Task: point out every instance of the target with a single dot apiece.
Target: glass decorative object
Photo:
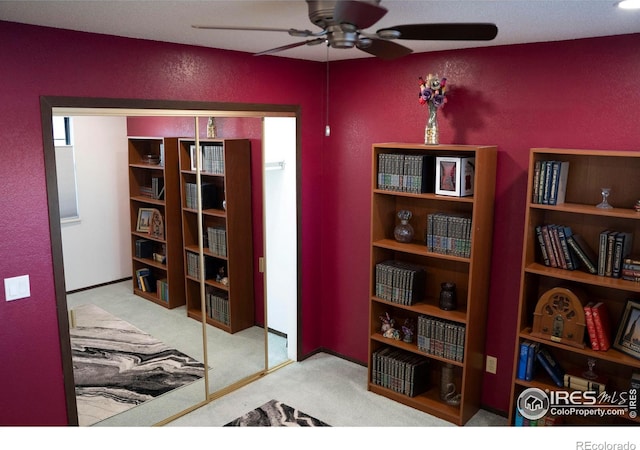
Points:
(431, 130)
(448, 296)
(404, 231)
(604, 204)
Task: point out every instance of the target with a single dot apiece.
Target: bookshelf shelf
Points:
(225, 177)
(589, 171)
(156, 186)
(460, 347)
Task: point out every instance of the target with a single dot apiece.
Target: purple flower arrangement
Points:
(433, 90)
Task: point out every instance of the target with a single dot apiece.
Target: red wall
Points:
(574, 94)
(579, 94)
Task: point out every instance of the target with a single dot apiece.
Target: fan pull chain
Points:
(327, 128)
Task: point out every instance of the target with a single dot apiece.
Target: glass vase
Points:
(404, 231)
(448, 296)
(431, 130)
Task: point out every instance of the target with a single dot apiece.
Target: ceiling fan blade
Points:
(287, 47)
(446, 31)
(360, 14)
(386, 50)
(291, 31)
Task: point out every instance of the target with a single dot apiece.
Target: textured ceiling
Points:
(518, 21)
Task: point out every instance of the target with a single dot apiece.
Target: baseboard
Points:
(99, 285)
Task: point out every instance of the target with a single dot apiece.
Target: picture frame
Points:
(144, 219)
(455, 176)
(628, 336)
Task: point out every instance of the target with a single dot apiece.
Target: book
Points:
(569, 257)
(608, 268)
(547, 242)
(602, 324)
(560, 173)
(582, 250)
(522, 362)
(602, 251)
(551, 365)
(542, 246)
(622, 248)
(531, 359)
(575, 380)
(591, 327)
(557, 246)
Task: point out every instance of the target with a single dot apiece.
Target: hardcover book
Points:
(602, 325)
(551, 365)
(591, 327)
(582, 250)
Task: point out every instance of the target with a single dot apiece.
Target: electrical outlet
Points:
(492, 364)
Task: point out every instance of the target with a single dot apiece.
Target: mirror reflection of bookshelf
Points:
(156, 230)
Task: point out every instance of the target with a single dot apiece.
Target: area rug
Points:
(117, 366)
(276, 414)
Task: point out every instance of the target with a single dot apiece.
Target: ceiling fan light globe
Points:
(364, 42)
(388, 34)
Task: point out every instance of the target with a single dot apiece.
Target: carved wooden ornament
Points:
(559, 317)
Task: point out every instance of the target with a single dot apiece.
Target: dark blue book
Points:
(551, 365)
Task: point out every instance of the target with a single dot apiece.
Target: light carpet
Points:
(276, 414)
(117, 366)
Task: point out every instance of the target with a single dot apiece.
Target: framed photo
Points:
(628, 335)
(144, 219)
(454, 175)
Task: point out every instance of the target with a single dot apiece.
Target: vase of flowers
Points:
(432, 93)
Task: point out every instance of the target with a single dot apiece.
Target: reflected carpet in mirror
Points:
(117, 366)
(276, 414)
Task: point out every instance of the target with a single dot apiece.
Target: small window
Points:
(61, 130)
(65, 169)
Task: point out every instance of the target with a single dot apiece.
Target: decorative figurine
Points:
(387, 327)
(408, 329)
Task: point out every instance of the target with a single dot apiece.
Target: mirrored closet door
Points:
(197, 360)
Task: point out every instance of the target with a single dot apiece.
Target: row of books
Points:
(563, 249)
(406, 173)
(193, 266)
(613, 247)
(400, 282)
(550, 182)
(598, 324)
(217, 304)
(534, 355)
(449, 234)
(546, 421)
(441, 337)
(163, 290)
(146, 280)
(212, 158)
(155, 191)
(217, 240)
(209, 194)
(400, 371)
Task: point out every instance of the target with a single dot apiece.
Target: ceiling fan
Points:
(343, 23)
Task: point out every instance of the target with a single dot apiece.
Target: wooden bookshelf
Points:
(231, 249)
(469, 273)
(142, 173)
(589, 171)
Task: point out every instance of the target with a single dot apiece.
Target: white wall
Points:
(280, 219)
(97, 248)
